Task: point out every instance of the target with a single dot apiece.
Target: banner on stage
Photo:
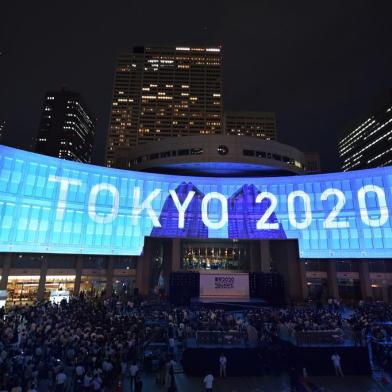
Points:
(224, 286)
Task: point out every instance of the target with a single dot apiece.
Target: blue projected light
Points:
(49, 205)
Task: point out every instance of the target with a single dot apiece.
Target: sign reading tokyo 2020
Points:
(57, 206)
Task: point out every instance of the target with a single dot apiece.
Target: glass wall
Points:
(349, 289)
(124, 285)
(59, 282)
(215, 255)
(22, 289)
(93, 285)
(317, 289)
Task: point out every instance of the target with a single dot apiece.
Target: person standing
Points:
(133, 371)
(138, 383)
(61, 379)
(336, 360)
(222, 366)
(208, 382)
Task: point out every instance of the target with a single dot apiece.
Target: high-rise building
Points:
(2, 130)
(258, 124)
(165, 91)
(369, 144)
(312, 162)
(67, 127)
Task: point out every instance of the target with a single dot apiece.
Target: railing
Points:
(223, 338)
(314, 338)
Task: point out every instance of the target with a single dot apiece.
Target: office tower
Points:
(312, 162)
(2, 130)
(165, 91)
(369, 143)
(67, 127)
(259, 124)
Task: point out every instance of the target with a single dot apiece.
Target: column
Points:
(176, 254)
(385, 293)
(285, 255)
(332, 280)
(42, 279)
(364, 279)
(143, 268)
(109, 276)
(7, 258)
(265, 256)
(302, 277)
(255, 261)
(78, 275)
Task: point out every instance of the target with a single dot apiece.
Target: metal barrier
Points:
(314, 338)
(219, 337)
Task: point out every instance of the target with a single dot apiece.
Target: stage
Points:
(274, 358)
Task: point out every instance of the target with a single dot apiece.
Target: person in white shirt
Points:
(96, 383)
(61, 379)
(208, 382)
(88, 378)
(337, 364)
(222, 365)
(133, 371)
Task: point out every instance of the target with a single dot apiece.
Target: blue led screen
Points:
(49, 205)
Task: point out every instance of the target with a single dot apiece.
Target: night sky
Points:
(320, 66)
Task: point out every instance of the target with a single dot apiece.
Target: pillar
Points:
(364, 279)
(265, 256)
(385, 293)
(7, 258)
(143, 268)
(109, 276)
(42, 279)
(286, 258)
(78, 275)
(176, 254)
(302, 277)
(255, 260)
(332, 279)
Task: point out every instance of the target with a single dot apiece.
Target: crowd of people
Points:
(82, 345)
(92, 344)
(373, 321)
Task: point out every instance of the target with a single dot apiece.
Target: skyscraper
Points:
(312, 162)
(165, 91)
(2, 130)
(67, 127)
(258, 124)
(369, 144)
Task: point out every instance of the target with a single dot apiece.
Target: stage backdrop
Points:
(224, 285)
(57, 206)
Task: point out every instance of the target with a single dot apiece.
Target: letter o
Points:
(93, 199)
(204, 210)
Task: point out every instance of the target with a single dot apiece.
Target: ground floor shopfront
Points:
(27, 277)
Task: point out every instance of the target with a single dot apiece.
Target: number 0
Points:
(308, 211)
(381, 203)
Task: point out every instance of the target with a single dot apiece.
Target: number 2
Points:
(262, 222)
(330, 222)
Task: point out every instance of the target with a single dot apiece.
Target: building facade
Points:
(162, 92)
(369, 144)
(219, 155)
(2, 130)
(79, 219)
(67, 127)
(257, 124)
(312, 162)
